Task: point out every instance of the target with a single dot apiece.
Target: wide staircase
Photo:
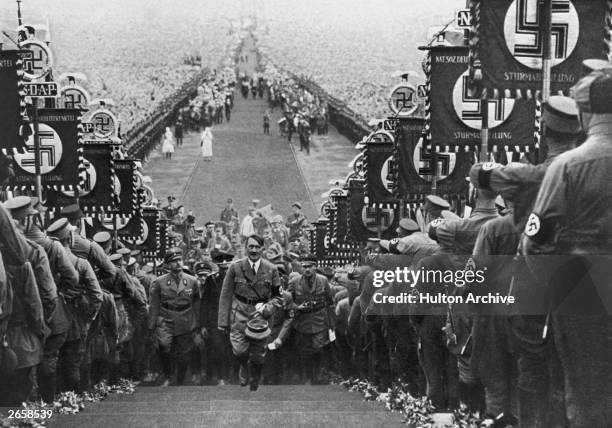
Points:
(233, 406)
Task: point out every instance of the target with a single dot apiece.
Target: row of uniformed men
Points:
(548, 362)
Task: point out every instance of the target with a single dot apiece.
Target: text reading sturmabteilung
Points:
(445, 279)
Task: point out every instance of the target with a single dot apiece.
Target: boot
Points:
(164, 357)
(255, 370)
(243, 373)
(46, 387)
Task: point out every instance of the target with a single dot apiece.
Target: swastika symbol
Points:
(402, 100)
(469, 109)
(74, 99)
(104, 125)
(50, 151)
(423, 159)
(35, 62)
(523, 31)
(38, 61)
(368, 218)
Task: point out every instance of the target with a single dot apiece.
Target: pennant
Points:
(415, 168)
(124, 184)
(12, 107)
(454, 117)
(95, 193)
(506, 44)
(378, 160)
(60, 155)
(364, 219)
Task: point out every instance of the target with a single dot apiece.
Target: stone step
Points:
(244, 394)
(280, 419)
(114, 407)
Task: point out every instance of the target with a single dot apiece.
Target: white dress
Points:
(168, 145)
(206, 143)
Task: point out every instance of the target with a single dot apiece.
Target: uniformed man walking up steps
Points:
(175, 301)
(250, 287)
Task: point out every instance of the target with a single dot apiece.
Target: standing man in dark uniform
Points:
(315, 314)
(250, 286)
(175, 304)
(230, 216)
(296, 220)
(178, 132)
(572, 219)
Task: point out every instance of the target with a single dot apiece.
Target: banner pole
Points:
(484, 136)
(547, 54)
(38, 181)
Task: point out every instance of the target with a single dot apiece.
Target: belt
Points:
(175, 307)
(248, 301)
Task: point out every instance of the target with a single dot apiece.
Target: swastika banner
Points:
(507, 43)
(378, 160)
(125, 187)
(13, 104)
(60, 156)
(128, 228)
(96, 191)
(455, 116)
(150, 243)
(364, 220)
(339, 221)
(415, 167)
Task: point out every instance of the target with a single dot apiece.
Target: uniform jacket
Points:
(295, 223)
(175, 300)
(94, 254)
(44, 279)
(317, 291)
(241, 281)
(86, 305)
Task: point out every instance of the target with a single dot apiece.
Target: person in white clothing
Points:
(206, 143)
(246, 227)
(168, 144)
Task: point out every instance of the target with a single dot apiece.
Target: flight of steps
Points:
(233, 406)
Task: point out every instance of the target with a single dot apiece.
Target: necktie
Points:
(253, 267)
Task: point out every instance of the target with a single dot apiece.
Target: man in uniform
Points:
(175, 304)
(314, 318)
(230, 216)
(250, 286)
(296, 219)
(410, 241)
(82, 247)
(572, 219)
(519, 183)
(83, 308)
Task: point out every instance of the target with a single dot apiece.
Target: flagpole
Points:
(484, 134)
(19, 22)
(547, 51)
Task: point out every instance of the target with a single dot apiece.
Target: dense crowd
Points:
(360, 77)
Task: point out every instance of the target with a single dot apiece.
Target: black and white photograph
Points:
(331, 213)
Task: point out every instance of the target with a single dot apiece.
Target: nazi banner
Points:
(365, 221)
(415, 167)
(124, 185)
(12, 107)
(60, 157)
(455, 120)
(378, 159)
(507, 43)
(96, 191)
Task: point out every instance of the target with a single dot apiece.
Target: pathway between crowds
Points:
(249, 165)
(233, 406)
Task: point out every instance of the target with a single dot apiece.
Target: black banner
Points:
(364, 219)
(97, 189)
(60, 155)
(507, 43)
(339, 221)
(415, 168)
(128, 228)
(12, 106)
(455, 119)
(320, 240)
(127, 201)
(149, 243)
(378, 158)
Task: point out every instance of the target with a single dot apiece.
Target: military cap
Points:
(187, 270)
(20, 206)
(201, 268)
(594, 92)
(560, 114)
(194, 240)
(277, 219)
(135, 253)
(173, 255)
(373, 243)
(116, 258)
(220, 257)
(308, 260)
(37, 205)
(148, 268)
(199, 229)
(408, 225)
(208, 223)
(595, 64)
(124, 251)
(71, 211)
(257, 329)
(449, 215)
(60, 228)
(102, 237)
(297, 204)
(433, 201)
(131, 261)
